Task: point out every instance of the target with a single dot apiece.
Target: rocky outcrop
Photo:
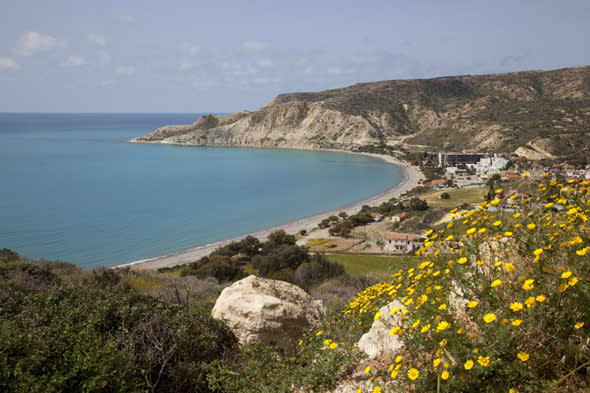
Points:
(378, 340)
(267, 311)
(490, 113)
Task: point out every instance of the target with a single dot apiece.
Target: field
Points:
(458, 197)
(363, 264)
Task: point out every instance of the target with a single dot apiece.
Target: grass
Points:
(363, 264)
(458, 197)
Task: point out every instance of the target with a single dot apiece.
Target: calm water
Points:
(72, 188)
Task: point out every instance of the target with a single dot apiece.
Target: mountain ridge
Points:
(538, 114)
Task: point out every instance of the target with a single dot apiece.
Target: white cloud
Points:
(189, 49)
(336, 70)
(8, 64)
(104, 57)
(74, 61)
(107, 83)
(308, 70)
(252, 46)
(33, 42)
(203, 84)
(122, 19)
(266, 80)
(97, 39)
(364, 59)
(185, 66)
(235, 70)
(125, 70)
(265, 62)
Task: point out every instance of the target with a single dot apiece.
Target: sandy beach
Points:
(411, 178)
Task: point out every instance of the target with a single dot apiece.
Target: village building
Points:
(402, 243)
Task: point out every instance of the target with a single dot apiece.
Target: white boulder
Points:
(267, 311)
(377, 340)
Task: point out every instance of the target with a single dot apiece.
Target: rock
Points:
(267, 311)
(377, 340)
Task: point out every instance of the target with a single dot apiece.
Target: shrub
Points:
(500, 299)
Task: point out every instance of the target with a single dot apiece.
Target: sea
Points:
(72, 188)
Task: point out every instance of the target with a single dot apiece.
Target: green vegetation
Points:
(96, 333)
(360, 265)
(457, 197)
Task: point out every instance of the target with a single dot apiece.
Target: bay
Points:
(72, 187)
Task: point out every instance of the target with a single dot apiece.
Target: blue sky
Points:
(225, 56)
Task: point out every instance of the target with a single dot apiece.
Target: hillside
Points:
(538, 114)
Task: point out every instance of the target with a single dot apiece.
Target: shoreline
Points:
(411, 177)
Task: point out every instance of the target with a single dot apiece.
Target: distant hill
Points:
(537, 114)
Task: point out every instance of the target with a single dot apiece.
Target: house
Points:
(397, 217)
(402, 243)
(454, 159)
(436, 184)
(376, 216)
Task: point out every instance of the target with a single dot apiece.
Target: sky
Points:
(223, 56)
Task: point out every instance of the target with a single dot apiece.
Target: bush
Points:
(74, 338)
(500, 299)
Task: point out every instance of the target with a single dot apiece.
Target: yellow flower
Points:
(508, 234)
(413, 373)
(377, 316)
(367, 369)
(471, 231)
(468, 364)
(442, 307)
(525, 175)
(442, 325)
(327, 342)
(516, 322)
(319, 333)
(549, 205)
(499, 190)
(576, 240)
(444, 375)
(394, 374)
(443, 342)
(472, 304)
(528, 284)
(531, 226)
(563, 287)
(376, 389)
(516, 215)
(481, 230)
(495, 202)
(436, 362)
(490, 317)
(497, 223)
(572, 281)
(461, 260)
(496, 283)
(566, 275)
(530, 302)
(579, 325)
(581, 252)
(523, 356)
(538, 252)
(540, 298)
(484, 361)
(509, 267)
(333, 346)
(416, 324)
(425, 328)
(399, 358)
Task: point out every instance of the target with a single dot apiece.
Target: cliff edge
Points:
(539, 113)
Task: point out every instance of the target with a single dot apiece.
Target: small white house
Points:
(401, 243)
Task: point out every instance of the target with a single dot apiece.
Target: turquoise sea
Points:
(72, 187)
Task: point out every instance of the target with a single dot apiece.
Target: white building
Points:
(488, 164)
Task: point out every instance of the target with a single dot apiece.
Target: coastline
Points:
(411, 178)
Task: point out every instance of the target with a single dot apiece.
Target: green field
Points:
(363, 264)
(458, 197)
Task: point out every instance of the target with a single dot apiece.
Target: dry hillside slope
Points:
(536, 113)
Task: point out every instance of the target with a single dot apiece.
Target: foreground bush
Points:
(87, 339)
(500, 303)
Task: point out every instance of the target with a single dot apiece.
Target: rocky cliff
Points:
(537, 113)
